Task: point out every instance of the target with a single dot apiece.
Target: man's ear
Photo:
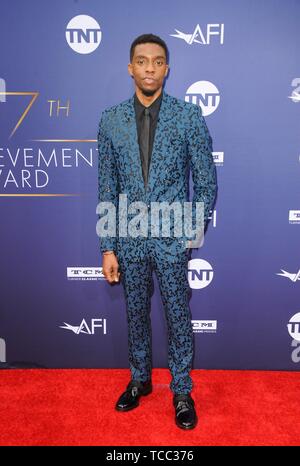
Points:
(130, 69)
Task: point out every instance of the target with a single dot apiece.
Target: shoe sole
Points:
(186, 428)
(136, 405)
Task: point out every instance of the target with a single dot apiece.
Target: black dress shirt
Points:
(154, 111)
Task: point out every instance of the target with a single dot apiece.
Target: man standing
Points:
(147, 146)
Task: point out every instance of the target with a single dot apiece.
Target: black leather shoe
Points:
(130, 398)
(185, 414)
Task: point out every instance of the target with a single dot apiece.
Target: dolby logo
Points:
(204, 94)
(83, 34)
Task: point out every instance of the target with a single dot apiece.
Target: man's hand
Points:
(110, 267)
(195, 243)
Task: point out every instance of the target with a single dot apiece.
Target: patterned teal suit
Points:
(182, 143)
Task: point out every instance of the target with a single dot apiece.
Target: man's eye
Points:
(140, 62)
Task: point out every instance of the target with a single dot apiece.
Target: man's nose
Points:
(150, 68)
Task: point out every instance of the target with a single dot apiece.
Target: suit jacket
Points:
(182, 143)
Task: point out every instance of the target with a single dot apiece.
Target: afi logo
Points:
(200, 37)
(200, 273)
(84, 328)
(83, 34)
(292, 276)
(205, 94)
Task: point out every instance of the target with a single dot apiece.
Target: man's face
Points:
(148, 67)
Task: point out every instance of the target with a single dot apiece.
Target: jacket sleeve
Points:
(107, 183)
(201, 164)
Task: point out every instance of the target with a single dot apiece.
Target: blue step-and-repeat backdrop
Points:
(62, 64)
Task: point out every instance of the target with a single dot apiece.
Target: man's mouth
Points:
(149, 80)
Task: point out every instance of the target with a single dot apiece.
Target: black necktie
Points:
(144, 144)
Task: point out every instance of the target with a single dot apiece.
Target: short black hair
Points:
(145, 39)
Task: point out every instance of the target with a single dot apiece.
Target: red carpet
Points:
(76, 407)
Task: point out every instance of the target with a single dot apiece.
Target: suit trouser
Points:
(136, 277)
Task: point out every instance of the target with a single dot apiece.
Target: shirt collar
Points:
(153, 108)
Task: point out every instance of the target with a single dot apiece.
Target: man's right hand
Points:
(110, 267)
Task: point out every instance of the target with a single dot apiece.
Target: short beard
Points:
(148, 93)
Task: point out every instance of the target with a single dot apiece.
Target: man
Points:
(147, 145)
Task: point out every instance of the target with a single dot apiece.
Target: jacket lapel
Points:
(159, 151)
(160, 143)
(129, 134)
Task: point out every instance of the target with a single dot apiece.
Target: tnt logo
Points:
(83, 34)
(200, 273)
(294, 327)
(205, 94)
